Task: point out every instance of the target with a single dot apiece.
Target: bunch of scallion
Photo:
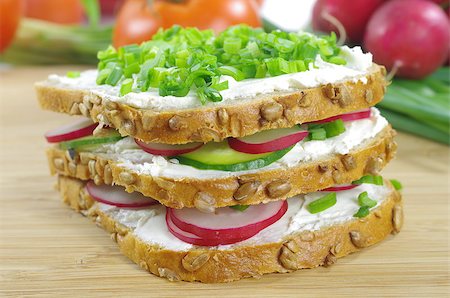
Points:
(42, 42)
(421, 107)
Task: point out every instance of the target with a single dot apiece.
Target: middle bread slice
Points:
(364, 148)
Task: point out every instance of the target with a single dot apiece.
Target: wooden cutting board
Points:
(49, 251)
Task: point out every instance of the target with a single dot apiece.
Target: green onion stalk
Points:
(420, 107)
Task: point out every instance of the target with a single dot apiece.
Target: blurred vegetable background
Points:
(410, 37)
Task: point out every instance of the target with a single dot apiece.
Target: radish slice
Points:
(341, 187)
(268, 140)
(117, 196)
(194, 239)
(166, 149)
(228, 224)
(359, 115)
(78, 129)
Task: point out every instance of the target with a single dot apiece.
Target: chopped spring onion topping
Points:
(396, 184)
(362, 212)
(241, 208)
(126, 87)
(369, 179)
(325, 130)
(325, 202)
(179, 60)
(364, 200)
(73, 74)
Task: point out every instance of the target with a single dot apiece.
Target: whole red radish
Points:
(353, 15)
(412, 35)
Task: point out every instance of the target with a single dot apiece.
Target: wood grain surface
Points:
(49, 251)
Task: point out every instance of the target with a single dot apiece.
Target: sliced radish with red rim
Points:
(75, 130)
(117, 196)
(227, 224)
(268, 140)
(166, 149)
(358, 115)
(341, 187)
(194, 239)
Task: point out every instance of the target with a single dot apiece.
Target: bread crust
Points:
(217, 122)
(308, 249)
(248, 189)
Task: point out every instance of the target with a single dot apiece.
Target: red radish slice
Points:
(268, 140)
(359, 115)
(117, 196)
(166, 149)
(341, 187)
(194, 239)
(75, 130)
(226, 223)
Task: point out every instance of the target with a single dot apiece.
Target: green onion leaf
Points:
(73, 74)
(334, 128)
(364, 200)
(396, 184)
(369, 179)
(317, 134)
(325, 202)
(362, 212)
(114, 77)
(232, 72)
(241, 208)
(126, 87)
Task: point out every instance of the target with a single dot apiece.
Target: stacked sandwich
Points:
(217, 157)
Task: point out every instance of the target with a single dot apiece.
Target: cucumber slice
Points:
(90, 143)
(219, 156)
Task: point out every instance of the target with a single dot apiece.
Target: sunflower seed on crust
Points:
(194, 261)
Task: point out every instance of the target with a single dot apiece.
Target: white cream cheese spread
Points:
(318, 74)
(130, 156)
(149, 224)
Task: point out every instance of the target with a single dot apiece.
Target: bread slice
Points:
(306, 249)
(217, 121)
(248, 188)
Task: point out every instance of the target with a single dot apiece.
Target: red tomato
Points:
(10, 13)
(137, 22)
(57, 11)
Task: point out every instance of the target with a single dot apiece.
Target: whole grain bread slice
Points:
(206, 194)
(307, 249)
(218, 121)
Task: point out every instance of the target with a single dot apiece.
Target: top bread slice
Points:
(217, 121)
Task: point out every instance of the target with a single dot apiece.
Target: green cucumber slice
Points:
(219, 156)
(90, 143)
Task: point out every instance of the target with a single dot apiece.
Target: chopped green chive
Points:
(179, 60)
(362, 212)
(126, 87)
(364, 200)
(240, 207)
(369, 179)
(334, 128)
(396, 184)
(325, 202)
(73, 74)
(317, 134)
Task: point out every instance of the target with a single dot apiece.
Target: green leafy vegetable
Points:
(241, 208)
(396, 184)
(181, 60)
(364, 200)
(362, 212)
(322, 204)
(370, 179)
(73, 74)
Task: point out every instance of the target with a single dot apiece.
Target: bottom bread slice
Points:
(305, 249)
